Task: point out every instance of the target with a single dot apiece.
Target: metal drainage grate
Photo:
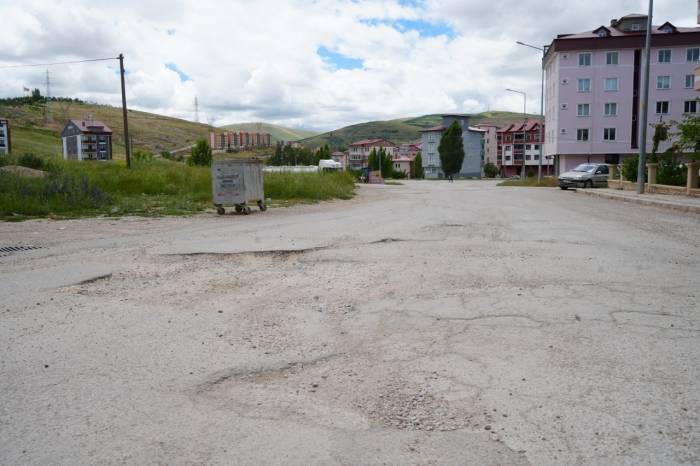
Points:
(7, 250)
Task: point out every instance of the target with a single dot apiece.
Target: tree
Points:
(689, 135)
(418, 166)
(490, 170)
(451, 150)
(201, 154)
(36, 94)
(386, 163)
(373, 160)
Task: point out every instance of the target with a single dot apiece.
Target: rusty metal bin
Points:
(237, 182)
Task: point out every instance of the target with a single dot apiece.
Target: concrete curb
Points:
(647, 202)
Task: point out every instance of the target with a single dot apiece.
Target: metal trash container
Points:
(236, 182)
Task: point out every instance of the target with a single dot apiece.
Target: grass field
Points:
(157, 187)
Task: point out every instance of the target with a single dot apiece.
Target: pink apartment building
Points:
(593, 85)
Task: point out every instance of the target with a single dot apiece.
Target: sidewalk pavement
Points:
(667, 201)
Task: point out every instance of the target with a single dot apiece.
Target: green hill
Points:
(148, 131)
(278, 133)
(401, 130)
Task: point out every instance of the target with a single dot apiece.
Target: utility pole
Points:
(126, 120)
(643, 106)
(49, 117)
(541, 132)
(196, 110)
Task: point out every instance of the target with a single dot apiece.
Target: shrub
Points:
(31, 161)
(669, 171)
(398, 175)
(490, 170)
(629, 168)
(141, 156)
(201, 154)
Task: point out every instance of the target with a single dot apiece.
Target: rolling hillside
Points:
(401, 130)
(148, 131)
(278, 133)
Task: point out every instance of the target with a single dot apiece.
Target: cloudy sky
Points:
(317, 64)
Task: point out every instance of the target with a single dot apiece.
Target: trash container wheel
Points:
(262, 206)
(220, 210)
(239, 208)
(246, 210)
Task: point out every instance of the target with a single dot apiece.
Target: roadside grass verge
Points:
(531, 182)
(150, 188)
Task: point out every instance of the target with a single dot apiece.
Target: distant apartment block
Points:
(519, 148)
(473, 141)
(490, 142)
(341, 158)
(86, 140)
(5, 138)
(359, 151)
(238, 140)
(594, 83)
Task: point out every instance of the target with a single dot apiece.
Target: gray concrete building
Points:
(472, 138)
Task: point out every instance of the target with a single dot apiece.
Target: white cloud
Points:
(257, 60)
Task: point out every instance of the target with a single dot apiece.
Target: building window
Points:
(528, 147)
(662, 107)
(610, 109)
(664, 56)
(583, 109)
(582, 134)
(610, 84)
(527, 157)
(537, 147)
(690, 106)
(689, 81)
(608, 134)
(663, 82)
(611, 58)
(584, 85)
(692, 54)
(584, 59)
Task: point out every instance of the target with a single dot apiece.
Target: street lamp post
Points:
(541, 132)
(643, 107)
(522, 173)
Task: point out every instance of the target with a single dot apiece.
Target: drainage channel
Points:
(7, 250)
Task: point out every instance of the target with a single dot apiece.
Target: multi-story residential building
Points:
(5, 138)
(359, 151)
(472, 139)
(236, 140)
(518, 151)
(87, 140)
(594, 82)
(409, 150)
(490, 142)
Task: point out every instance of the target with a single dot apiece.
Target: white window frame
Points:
(668, 107)
(583, 80)
(697, 54)
(580, 133)
(580, 107)
(607, 133)
(584, 54)
(658, 56)
(685, 105)
(692, 81)
(612, 106)
(660, 81)
(617, 84)
(608, 55)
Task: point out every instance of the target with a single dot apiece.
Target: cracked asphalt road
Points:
(429, 323)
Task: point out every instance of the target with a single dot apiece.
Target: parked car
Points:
(586, 175)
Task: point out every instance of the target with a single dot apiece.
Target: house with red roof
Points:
(359, 151)
(87, 140)
(518, 150)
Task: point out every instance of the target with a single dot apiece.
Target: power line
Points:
(58, 63)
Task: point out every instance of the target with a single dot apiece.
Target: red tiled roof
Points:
(92, 125)
(367, 142)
